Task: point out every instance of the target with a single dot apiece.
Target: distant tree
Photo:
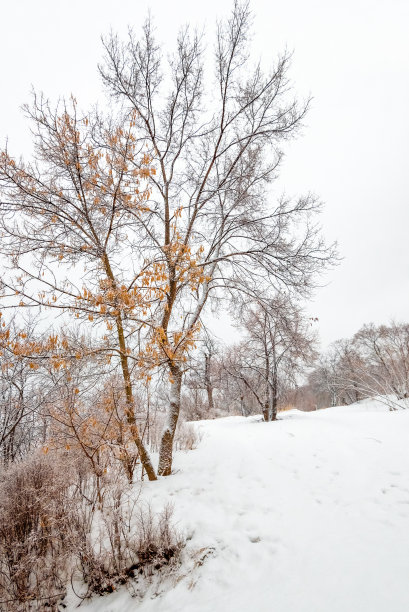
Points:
(21, 396)
(279, 345)
(374, 362)
(324, 379)
(350, 365)
(240, 384)
(209, 350)
(336, 374)
(201, 378)
(384, 352)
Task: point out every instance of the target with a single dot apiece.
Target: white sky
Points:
(351, 55)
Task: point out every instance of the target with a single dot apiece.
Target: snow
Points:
(307, 514)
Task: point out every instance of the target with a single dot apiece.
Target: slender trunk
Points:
(130, 408)
(128, 461)
(274, 387)
(129, 465)
(274, 404)
(196, 403)
(166, 446)
(273, 398)
(130, 411)
(266, 412)
(357, 398)
(209, 388)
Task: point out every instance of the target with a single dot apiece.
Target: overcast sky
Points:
(351, 55)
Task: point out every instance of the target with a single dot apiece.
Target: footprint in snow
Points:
(254, 539)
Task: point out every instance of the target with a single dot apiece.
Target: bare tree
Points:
(240, 384)
(324, 379)
(216, 146)
(279, 345)
(201, 377)
(384, 358)
(338, 373)
(67, 233)
(22, 394)
(374, 362)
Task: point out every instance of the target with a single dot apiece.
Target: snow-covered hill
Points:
(307, 514)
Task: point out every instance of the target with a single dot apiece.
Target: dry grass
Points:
(58, 525)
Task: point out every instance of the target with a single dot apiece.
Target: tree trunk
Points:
(166, 446)
(130, 408)
(357, 398)
(242, 406)
(274, 404)
(130, 417)
(273, 398)
(208, 382)
(266, 412)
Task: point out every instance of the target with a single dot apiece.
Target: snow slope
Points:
(307, 514)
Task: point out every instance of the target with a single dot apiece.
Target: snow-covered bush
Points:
(187, 436)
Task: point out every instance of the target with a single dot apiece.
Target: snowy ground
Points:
(308, 514)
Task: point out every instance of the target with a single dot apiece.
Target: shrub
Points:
(57, 524)
(187, 436)
(34, 534)
(129, 541)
